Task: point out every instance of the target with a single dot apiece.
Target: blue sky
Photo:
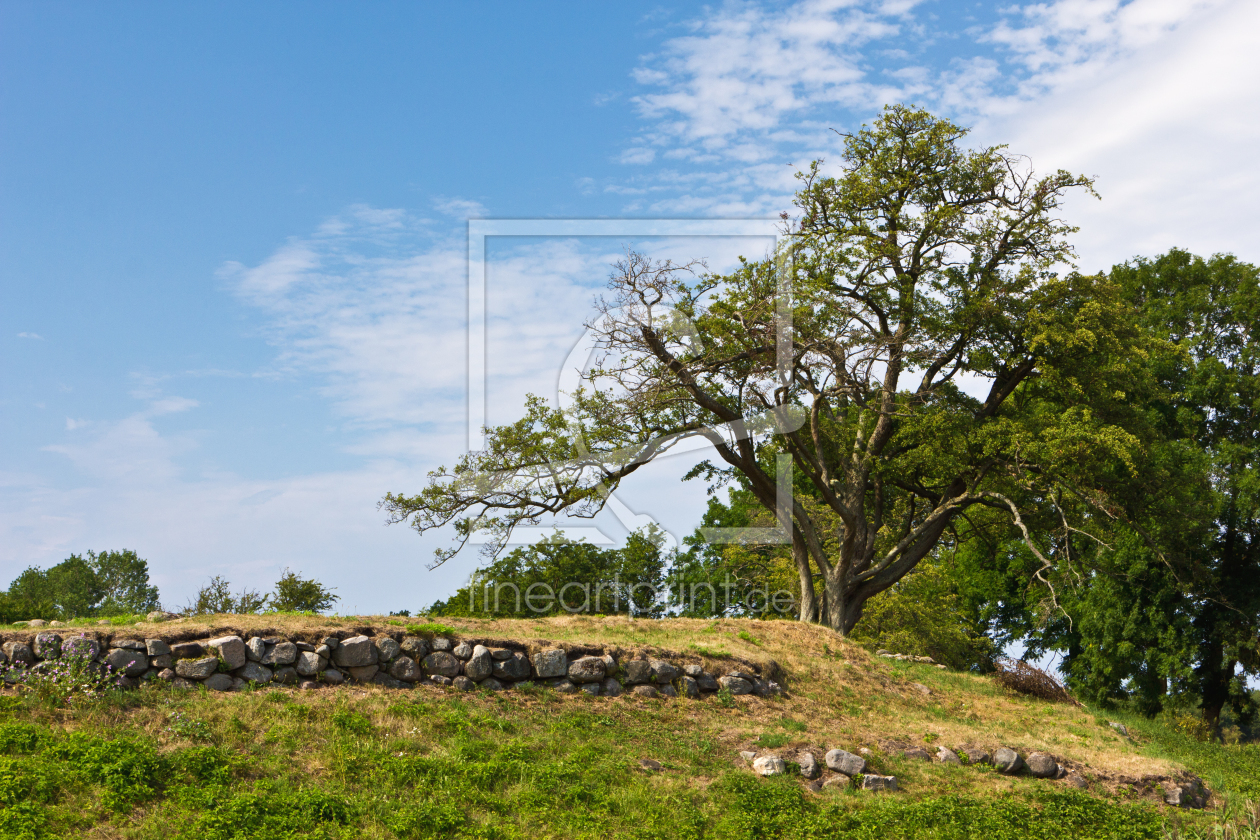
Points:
(233, 240)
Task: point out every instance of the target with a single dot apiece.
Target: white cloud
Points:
(35, 336)
(72, 424)
(753, 87)
(172, 405)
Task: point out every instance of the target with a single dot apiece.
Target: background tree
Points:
(920, 265)
(124, 583)
(216, 598)
(109, 583)
(630, 576)
(298, 594)
(1168, 610)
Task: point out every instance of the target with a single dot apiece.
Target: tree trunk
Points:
(809, 602)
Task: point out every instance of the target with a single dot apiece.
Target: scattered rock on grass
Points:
(845, 762)
(769, 765)
(1008, 761)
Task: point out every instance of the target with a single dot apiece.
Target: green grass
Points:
(275, 763)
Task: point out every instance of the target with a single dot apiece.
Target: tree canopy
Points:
(919, 272)
(105, 584)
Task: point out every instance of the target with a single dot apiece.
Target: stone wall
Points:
(227, 663)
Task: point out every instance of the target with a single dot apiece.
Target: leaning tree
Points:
(891, 352)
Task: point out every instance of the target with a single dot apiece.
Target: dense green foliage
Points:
(557, 576)
(295, 593)
(107, 584)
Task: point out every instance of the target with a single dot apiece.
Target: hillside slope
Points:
(431, 762)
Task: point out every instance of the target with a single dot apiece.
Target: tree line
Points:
(969, 424)
(116, 583)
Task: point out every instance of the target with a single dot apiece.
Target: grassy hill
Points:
(376, 763)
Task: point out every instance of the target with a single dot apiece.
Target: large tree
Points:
(917, 274)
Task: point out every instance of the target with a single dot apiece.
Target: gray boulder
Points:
(550, 663)
(441, 664)
(590, 688)
(690, 688)
(384, 680)
(1007, 761)
(748, 755)
(308, 664)
(463, 650)
(156, 647)
(363, 673)
(331, 642)
(463, 684)
(334, 677)
(387, 648)
(809, 766)
(19, 652)
(405, 669)
(438, 679)
(46, 646)
(415, 647)
(917, 753)
(944, 755)
(355, 652)
(183, 684)
(838, 783)
(563, 687)
(610, 688)
(707, 682)
(161, 662)
(663, 672)
(281, 653)
(130, 663)
(586, 669)
(646, 691)
(501, 653)
(129, 644)
(442, 643)
(769, 765)
(668, 690)
(479, 665)
(1119, 727)
(693, 670)
(845, 762)
(81, 646)
(879, 783)
(638, 671)
(491, 684)
(735, 685)
(305, 647)
(218, 682)
(1042, 766)
(37, 622)
(323, 652)
(189, 669)
(515, 668)
(166, 674)
(229, 649)
(255, 672)
(255, 648)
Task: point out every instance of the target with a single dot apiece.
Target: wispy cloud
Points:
(754, 89)
(32, 335)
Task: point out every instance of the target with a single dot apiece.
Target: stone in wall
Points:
(550, 663)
